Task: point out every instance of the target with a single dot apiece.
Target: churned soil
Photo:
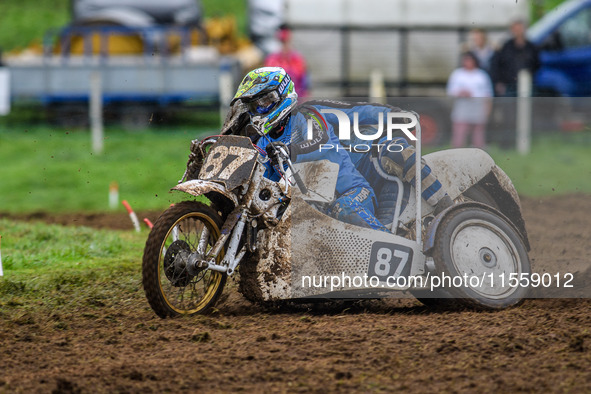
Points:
(113, 221)
(544, 345)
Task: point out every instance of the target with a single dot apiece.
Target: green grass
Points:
(558, 164)
(49, 267)
(24, 22)
(540, 7)
(52, 169)
(237, 8)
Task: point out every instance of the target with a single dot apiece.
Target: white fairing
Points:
(325, 247)
(320, 178)
(457, 170)
(330, 248)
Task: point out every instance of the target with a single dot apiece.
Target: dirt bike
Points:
(252, 222)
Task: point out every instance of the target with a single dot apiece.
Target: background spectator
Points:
(264, 18)
(516, 54)
(473, 91)
(291, 61)
(481, 48)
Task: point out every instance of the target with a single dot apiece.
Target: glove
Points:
(271, 153)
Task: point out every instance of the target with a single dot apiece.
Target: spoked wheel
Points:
(186, 230)
(485, 251)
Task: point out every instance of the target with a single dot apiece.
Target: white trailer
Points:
(415, 44)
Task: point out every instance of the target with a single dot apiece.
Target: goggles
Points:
(264, 104)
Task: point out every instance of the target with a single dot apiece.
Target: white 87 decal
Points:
(389, 260)
(217, 164)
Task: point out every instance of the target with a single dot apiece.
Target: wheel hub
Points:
(481, 250)
(487, 257)
(175, 263)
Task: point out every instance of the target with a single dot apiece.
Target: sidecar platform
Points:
(315, 256)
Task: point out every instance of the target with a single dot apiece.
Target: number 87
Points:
(384, 259)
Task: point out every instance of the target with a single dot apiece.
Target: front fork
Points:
(233, 229)
(231, 259)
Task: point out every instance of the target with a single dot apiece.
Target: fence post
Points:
(524, 112)
(377, 86)
(96, 111)
(226, 89)
(4, 90)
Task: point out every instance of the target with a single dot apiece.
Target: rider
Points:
(267, 97)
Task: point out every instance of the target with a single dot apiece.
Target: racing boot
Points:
(444, 203)
(402, 165)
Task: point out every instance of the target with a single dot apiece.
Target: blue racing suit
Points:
(355, 199)
(401, 156)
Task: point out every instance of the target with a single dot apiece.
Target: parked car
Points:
(564, 38)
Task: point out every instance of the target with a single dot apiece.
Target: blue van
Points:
(564, 38)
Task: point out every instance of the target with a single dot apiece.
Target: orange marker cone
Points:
(148, 223)
(132, 215)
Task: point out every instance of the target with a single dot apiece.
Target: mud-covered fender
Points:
(431, 232)
(211, 190)
(459, 169)
(499, 186)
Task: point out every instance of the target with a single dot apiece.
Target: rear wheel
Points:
(483, 255)
(172, 290)
(439, 298)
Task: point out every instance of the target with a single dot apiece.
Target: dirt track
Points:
(120, 346)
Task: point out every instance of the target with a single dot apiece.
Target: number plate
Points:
(230, 161)
(389, 260)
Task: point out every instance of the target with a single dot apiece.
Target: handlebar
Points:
(281, 153)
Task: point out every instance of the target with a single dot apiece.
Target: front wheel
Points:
(183, 229)
(481, 259)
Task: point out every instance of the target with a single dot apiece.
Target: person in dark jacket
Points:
(516, 54)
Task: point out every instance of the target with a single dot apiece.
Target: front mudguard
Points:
(215, 192)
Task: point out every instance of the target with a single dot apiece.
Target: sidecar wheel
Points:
(169, 288)
(481, 253)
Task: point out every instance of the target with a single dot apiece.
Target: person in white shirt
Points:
(472, 88)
